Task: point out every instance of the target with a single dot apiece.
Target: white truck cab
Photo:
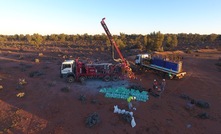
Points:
(67, 67)
(140, 57)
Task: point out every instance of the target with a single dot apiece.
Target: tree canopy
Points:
(155, 41)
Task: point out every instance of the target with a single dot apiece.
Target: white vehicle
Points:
(141, 57)
(67, 67)
(168, 68)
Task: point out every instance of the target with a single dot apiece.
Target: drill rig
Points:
(122, 60)
(75, 70)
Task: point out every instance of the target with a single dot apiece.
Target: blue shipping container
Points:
(175, 66)
(158, 62)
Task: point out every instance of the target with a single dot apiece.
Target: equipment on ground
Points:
(166, 67)
(124, 93)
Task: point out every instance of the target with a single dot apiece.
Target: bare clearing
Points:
(45, 108)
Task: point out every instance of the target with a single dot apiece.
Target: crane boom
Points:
(113, 43)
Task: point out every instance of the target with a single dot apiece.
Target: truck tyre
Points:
(106, 78)
(115, 78)
(70, 79)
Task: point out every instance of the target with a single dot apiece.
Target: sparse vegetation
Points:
(37, 60)
(40, 54)
(24, 67)
(152, 41)
(65, 89)
(46, 92)
(20, 95)
(22, 81)
(92, 120)
(21, 57)
(188, 51)
(35, 73)
(218, 64)
(82, 98)
(52, 84)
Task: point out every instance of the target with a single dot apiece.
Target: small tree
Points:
(157, 39)
(37, 39)
(171, 41)
(3, 38)
(62, 37)
(212, 37)
(28, 38)
(53, 37)
(120, 43)
(174, 41)
(168, 41)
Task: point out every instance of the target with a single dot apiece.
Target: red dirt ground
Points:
(46, 109)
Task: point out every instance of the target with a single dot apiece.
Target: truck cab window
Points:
(66, 66)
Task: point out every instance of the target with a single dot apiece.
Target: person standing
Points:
(163, 84)
(129, 99)
(155, 84)
(162, 87)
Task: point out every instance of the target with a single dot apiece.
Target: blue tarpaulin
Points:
(123, 93)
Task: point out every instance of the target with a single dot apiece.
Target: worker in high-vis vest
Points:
(129, 99)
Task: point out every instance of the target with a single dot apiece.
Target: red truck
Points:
(79, 71)
(75, 70)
